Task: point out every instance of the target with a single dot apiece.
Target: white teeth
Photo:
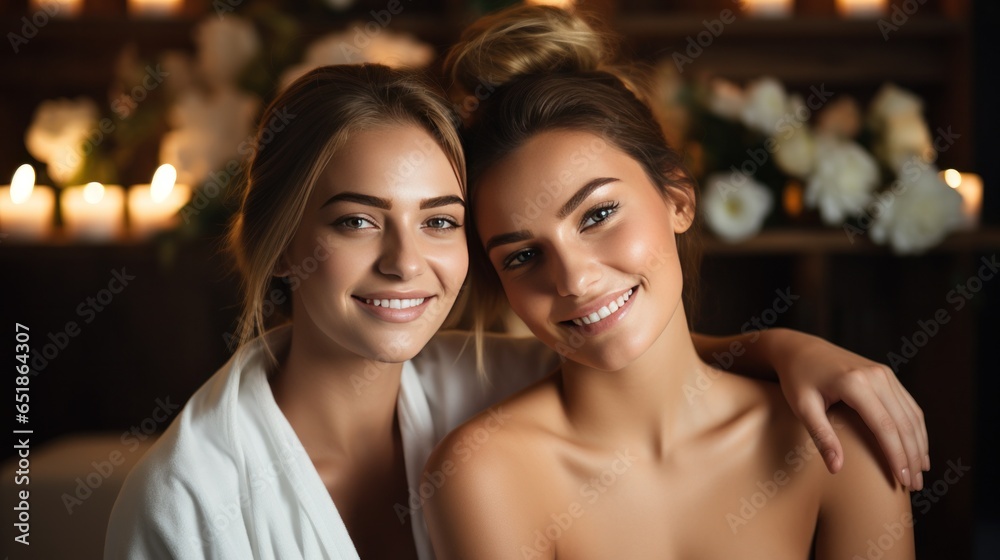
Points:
(603, 312)
(395, 303)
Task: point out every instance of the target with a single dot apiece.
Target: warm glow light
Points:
(57, 8)
(767, 8)
(565, 4)
(791, 198)
(953, 178)
(93, 192)
(163, 182)
(862, 8)
(970, 187)
(27, 211)
(22, 184)
(155, 8)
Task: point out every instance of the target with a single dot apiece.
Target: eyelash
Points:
(452, 223)
(610, 207)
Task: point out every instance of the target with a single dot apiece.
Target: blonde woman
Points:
(610, 456)
(310, 442)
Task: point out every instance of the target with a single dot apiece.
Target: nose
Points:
(574, 272)
(402, 256)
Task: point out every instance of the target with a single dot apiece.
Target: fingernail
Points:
(927, 462)
(920, 481)
(906, 478)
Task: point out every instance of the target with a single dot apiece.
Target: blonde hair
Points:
(550, 69)
(320, 112)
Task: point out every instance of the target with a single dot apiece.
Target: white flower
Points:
(735, 205)
(356, 45)
(209, 131)
(843, 181)
(903, 136)
(225, 46)
(766, 105)
(726, 99)
(841, 118)
(794, 147)
(892, 101)
(58, 132)
(919, 211)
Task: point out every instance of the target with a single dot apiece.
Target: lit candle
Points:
(862, 8)
(153, 207)
(155, 8)
(57, 8)
(26, 212)
(93, 212)
(970, 186)
(767, 8)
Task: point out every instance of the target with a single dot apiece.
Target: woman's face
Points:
(584, 246)
(380, 254)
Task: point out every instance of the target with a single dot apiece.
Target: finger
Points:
(922, 422)
(916, 416)
(883, 382)
(812, 412)
(905, 425)
(868, 405)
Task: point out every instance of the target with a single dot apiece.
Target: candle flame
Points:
(22, 184)
(93, 192)
(953, 178)
(163, 182)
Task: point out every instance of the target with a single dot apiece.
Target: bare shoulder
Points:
(488, 478)
(863, 505)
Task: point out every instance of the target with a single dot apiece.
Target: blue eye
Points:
(599, 214)
(519, 259)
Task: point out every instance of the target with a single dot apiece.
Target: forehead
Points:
(401, 162)
(550, 167)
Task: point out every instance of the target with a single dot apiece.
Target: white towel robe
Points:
(230, 479)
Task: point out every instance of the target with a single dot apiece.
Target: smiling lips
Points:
(610, 309)
(394, 309)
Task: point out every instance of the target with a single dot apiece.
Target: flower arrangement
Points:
(870, 174)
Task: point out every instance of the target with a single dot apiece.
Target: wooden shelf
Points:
(836, 241)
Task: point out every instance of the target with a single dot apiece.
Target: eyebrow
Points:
(572, 204)
(582, 194)
(506, 238)
(386, 204)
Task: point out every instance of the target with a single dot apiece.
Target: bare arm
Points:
(815, 374)
(864, 512)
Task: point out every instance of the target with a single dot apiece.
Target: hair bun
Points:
(523, 40)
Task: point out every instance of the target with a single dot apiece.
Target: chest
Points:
(373, 503)
(688, 508)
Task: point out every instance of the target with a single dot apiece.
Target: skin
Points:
(611, 456)
(406, 251)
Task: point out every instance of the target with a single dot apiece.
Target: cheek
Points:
(451, 262)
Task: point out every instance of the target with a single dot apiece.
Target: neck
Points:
(644, 405)
(339, 403)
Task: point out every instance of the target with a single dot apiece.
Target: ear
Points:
(281, 267)
(682, 198)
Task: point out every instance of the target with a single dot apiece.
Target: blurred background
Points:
(845, 150)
